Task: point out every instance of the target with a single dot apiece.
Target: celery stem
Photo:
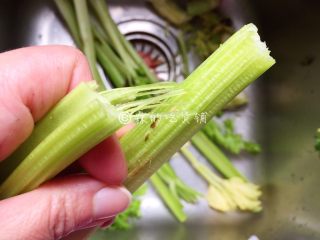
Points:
(82, 15)
(111, 70)
(238, 62)
(170, 200)
(184, 54)
(103, 15)
(66, 9)
(214, 155)
(122, 46)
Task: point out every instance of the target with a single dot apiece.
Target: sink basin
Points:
(282, 115)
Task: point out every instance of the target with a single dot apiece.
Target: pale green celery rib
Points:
(116, 61)
(66, 9)
(127, 71)
(237, 63)
(170, 200)
(176, 185)
(77, 123)
(93, 123)
(103, 15)
(86, 35)
(205, 172)
(74, 101)
(110, 69)
(184, 54)
(120, 43)
(214, 155)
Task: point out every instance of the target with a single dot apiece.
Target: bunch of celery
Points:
(111, 46)
(99, 38)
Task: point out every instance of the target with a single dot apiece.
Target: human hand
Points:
(32, 80)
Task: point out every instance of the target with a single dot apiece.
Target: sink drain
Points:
(157, 45)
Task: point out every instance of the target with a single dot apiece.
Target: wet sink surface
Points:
(283, 116)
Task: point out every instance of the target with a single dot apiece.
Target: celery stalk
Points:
(126, 71)
(176, 185)
(77, 123)
(116, 61)
(170, 200)
(96, 120)
(237, 63)
(77, 20)
(184, 55)
(123, 47)
(66, 108)
(226, 194)
(82, 15)
(66, 9)
(214, 155)
(200, 140)
(106, 21)
(89, 127)
(107, 64)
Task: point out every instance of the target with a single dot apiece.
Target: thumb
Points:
(60, 207)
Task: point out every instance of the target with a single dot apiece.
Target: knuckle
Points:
(61, 219)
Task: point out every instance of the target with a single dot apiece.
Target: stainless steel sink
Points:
(283, 115)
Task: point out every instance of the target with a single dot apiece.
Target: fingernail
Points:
(108, 202)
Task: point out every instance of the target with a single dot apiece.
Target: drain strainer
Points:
(157, 45)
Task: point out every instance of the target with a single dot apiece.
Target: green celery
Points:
(227, 138)
(200, 140)
(237, 63)
(82, 15)
(122, 46)
(116, 61)
(176, 185)
(66, 9)
(79, 133)
(81, 120)
(103, 15)
(112, 72)
(183, 53)
(226, 194)
(214, 155)
(57, 116)
(170, 199)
